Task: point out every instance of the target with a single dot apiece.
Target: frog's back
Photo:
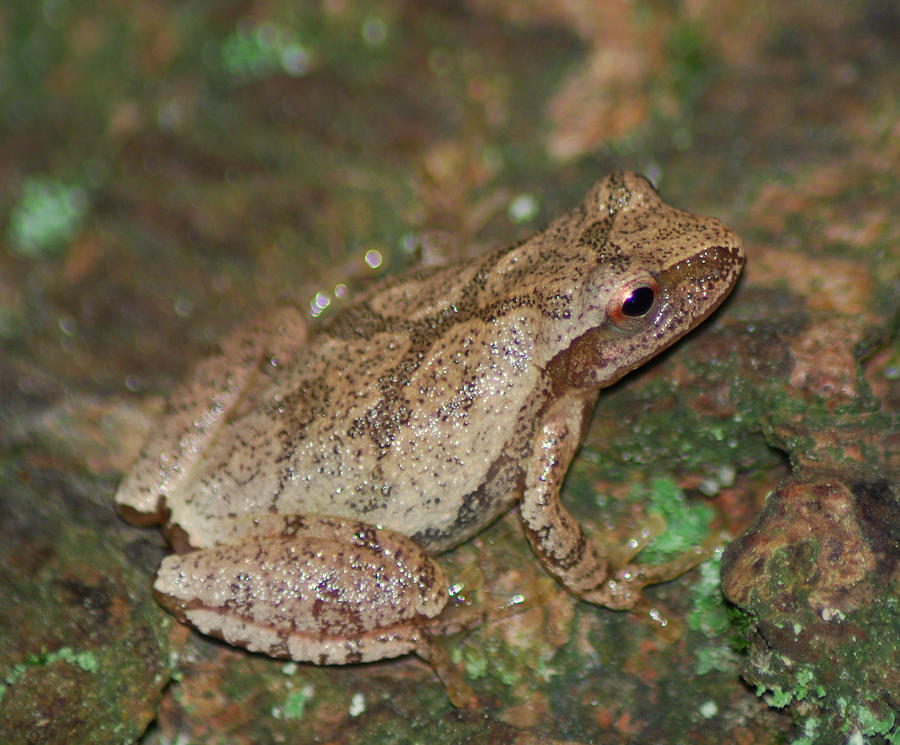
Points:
(397, 411)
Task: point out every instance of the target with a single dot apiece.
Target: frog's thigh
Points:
(312, 589)
(199, 406)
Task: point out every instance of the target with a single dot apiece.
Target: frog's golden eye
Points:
(630, 307)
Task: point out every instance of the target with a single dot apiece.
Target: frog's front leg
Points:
(315, 589)
(557, 537)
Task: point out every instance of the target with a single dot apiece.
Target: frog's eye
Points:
(631, 306)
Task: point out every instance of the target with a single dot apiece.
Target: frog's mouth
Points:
(695, 287)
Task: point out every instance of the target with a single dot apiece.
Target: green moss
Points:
(500, 667)
(709, 614)
(49, 214)
(86, 660)
(669, 432)
(258, 52)
(687, 523)
(295, 703)
(692, 64)
(854, 702)
(871, 723)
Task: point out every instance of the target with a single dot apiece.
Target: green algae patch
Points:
(687, 523)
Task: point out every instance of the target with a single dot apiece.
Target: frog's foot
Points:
(457, 619)
(458, 691)
(622, 589)
(651, 528)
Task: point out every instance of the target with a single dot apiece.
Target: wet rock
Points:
(818, 575)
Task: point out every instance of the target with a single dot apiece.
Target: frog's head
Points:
(656, 273)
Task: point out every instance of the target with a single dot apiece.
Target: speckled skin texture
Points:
(292, 554)
(427, 407)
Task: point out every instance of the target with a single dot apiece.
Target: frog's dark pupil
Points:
(638, 302)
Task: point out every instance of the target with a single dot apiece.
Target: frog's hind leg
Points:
(314, 589)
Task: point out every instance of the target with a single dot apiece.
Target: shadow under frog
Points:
(312, 480)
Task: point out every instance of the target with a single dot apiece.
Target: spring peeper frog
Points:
(311, 481)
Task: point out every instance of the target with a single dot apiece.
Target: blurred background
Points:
(170, 168)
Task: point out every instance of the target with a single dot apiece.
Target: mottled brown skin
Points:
(428, 407)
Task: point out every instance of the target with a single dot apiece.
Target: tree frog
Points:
(308, 482)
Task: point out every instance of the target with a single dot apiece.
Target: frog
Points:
(307, 478)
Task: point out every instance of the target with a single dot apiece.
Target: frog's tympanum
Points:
(309, 482)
